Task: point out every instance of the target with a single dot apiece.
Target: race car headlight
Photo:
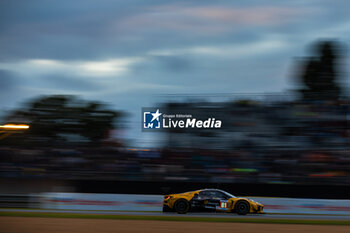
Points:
(167, 198)
(256, 202)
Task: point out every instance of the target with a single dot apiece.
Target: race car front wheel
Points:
(242, 208)
(182, 206)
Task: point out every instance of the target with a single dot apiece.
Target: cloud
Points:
(236, 50)
(261, 15)
(96, 30)
(98, 68)
(209, 19)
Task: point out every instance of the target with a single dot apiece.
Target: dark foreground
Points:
(39, 224)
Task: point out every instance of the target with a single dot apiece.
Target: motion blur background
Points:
(79, 72)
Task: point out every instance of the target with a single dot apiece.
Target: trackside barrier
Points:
(304, 206)
(84, 201)
(131, 202)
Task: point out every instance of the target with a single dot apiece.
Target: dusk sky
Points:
(127, 53)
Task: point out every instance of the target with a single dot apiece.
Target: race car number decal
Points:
(223, 205)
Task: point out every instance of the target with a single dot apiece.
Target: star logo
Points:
(156, 115)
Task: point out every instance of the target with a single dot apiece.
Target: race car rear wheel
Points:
(182, 206)
(242, 208)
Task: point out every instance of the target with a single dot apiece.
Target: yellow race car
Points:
(210, 200)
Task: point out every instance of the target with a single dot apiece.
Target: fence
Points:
(129, 202)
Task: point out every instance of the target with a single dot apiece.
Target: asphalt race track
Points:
(209, 215)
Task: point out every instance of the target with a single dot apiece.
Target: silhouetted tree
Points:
(320, 73)
(58, 119)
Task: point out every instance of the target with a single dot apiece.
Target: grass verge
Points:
(176, 218)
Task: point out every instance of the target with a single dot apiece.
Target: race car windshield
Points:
(229, 194)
